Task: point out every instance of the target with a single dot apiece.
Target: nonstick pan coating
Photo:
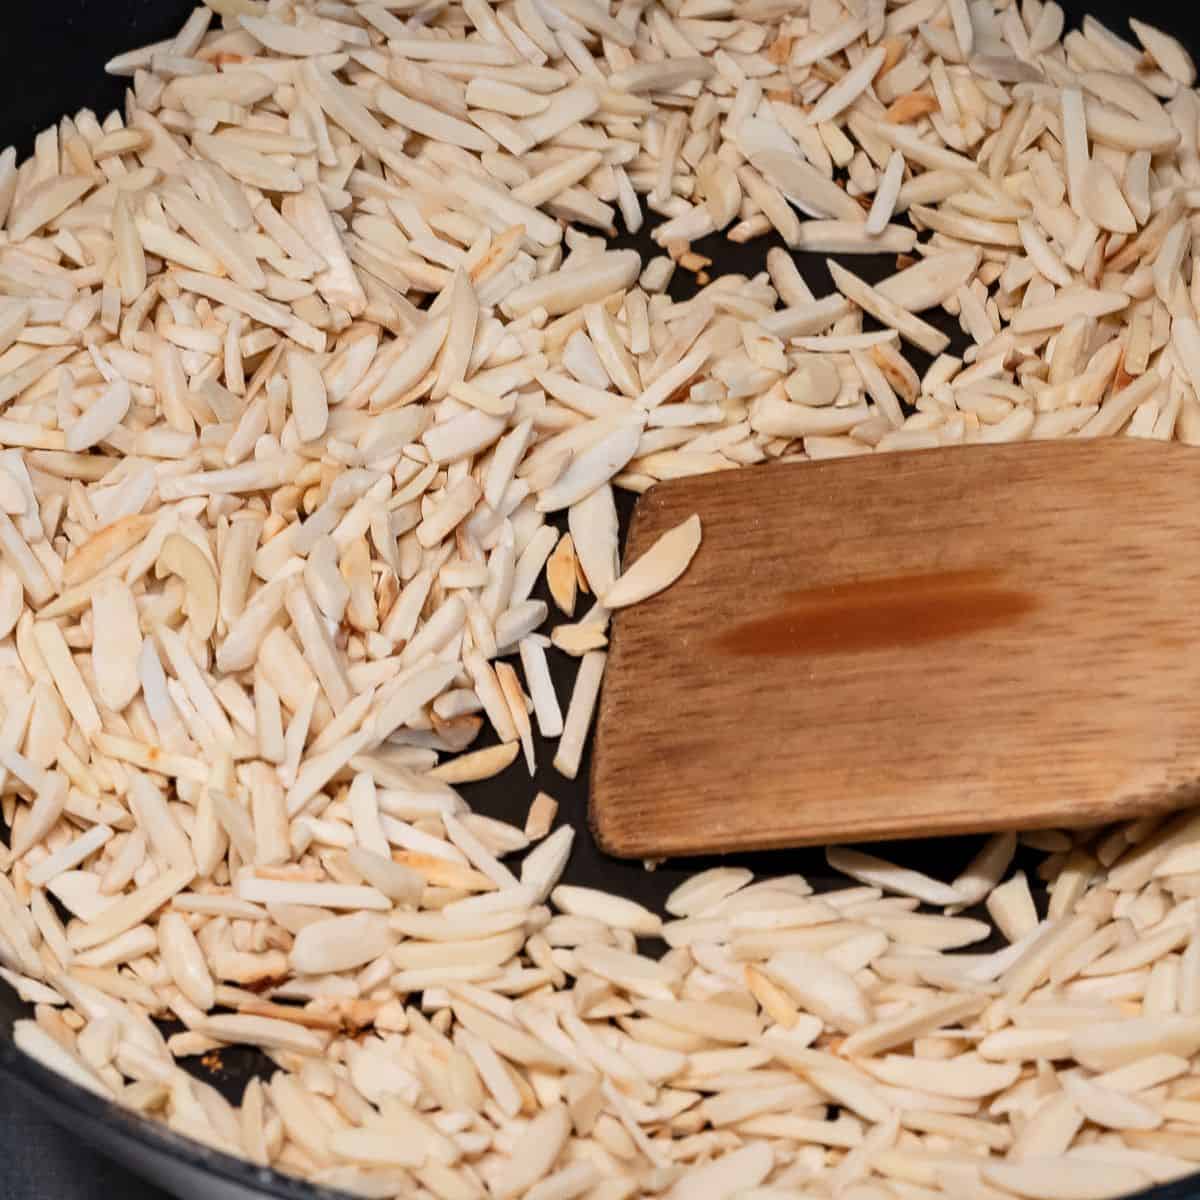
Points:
(52, 54)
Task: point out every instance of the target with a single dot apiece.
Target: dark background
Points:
(51, 61)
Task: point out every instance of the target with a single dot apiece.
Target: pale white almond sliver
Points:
(821, 988)
(1104, 202)
(162, 829)
(131, 259)
(847, 89)
(877, 872)
(318, 895)
(267, 1032)
(966, 1077)
(48, 806)
(591, 469)
(1104, 1045)
(884, 203)
(541, 687)
(593, 525)
(728, 1175)
(930, 281)
(286, 38)
(571, 288)
(661, 565)
(339, 943)
(614, 911)
(869, 299)
(66, 676)
(1075, 146)
(396, 881)
(1064, 1179)
(100, 419)
(45, 201)
(115, 654)
(709, 888)
(376, 1149)
(185, 960)
(805, 186)
(545, 863)
(129, 910)
(69, 856)
(1109, 1109)
(534, 1154)
(579, 712)
(309, 402)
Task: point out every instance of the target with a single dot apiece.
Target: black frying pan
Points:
(51, 61)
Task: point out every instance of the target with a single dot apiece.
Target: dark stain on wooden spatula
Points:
(909, 645)
(867, 614)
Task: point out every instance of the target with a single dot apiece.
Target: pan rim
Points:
(52, 1091)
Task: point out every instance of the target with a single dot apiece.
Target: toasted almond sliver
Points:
(1166, 51)
(182, 557)
(658, 568)
(479, 764)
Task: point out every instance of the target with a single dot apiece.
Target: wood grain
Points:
(939, 642)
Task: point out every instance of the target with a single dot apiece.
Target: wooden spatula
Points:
(939, 642)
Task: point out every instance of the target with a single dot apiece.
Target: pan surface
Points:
(51, 59)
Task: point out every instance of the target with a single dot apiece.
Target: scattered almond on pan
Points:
(308, 360)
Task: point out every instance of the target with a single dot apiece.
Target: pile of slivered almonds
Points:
(300, 356)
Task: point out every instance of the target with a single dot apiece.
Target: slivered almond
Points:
(115, 653)
(561, 575)
(479, 764)
(911, 107)
(181, 557)
(821, 988)
(658, 568)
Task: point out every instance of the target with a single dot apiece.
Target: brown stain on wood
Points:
(872, 614)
